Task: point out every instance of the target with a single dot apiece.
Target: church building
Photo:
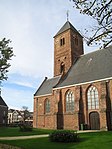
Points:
(79, 95)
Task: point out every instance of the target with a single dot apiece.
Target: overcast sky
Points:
(31, 25)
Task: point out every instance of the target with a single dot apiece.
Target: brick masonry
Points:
(68, 52)
(58, 118)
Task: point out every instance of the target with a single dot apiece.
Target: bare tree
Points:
(25, 112)
(101, 11)
(25, 115)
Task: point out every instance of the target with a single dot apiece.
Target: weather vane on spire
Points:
(67, 15)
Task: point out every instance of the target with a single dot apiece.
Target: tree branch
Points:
(105, 45)
(103, 8)
(92, 39)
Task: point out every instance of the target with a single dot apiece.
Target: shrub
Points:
(13, 125)
(25, 128)
(64, 136)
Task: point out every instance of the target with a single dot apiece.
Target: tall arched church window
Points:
(69, 101)
(47, 106)
(92, 98)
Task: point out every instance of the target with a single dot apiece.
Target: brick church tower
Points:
(68, 46)
(81, 97)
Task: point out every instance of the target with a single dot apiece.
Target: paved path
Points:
(23, 137)
(39, 136)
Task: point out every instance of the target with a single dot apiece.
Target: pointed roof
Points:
(65, 27)
(2, 102)
(11, 110)
(47, 85)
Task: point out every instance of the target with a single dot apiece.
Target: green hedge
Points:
(64, 136)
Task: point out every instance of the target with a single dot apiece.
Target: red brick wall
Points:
(35, 113)
(101, 87)
(73, 120)
(111, 101)
(44, 120)
(59, 118)
(70, 119)
(110, 83)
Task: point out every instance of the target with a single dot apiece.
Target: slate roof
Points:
(46, 86)
(65, 27)
(11, 110)
(2, 102)
(93, 66)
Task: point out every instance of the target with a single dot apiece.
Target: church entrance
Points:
(94, 120)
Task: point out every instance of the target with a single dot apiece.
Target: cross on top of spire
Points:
(67, 13)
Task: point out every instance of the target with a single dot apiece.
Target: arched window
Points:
(62, 41)
(92, 98)
(69, 101)
(47, 106)
(62, 67)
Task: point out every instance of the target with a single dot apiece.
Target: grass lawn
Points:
(14, 131)
(97, 140)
